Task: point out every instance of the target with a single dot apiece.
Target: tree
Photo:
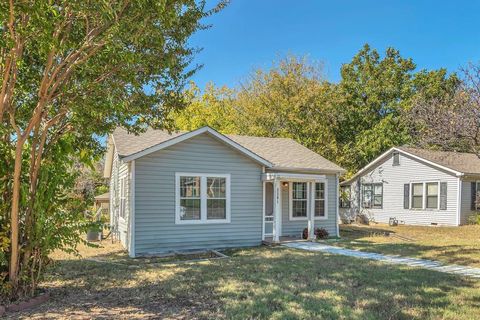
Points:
(213, 108)
(372, 98)
(291, 100)
(72, 69)
(450, 121)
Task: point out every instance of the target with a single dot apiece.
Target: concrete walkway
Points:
(412, 262)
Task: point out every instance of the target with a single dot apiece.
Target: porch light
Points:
(285, 183)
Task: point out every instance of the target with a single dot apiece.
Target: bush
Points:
(474, 218)
(320, 233)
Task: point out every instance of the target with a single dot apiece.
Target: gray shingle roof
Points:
(281, 152)
(468, 163)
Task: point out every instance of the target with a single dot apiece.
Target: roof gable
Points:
(278, 153)
(456, 163)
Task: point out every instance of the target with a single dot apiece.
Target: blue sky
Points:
(252, 33)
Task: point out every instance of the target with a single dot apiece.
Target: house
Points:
(202, 189)
(416, 186)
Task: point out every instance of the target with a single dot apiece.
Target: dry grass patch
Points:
(256, 283)
(452, 245)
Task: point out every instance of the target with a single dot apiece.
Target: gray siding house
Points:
(414, 186)
(203, 190)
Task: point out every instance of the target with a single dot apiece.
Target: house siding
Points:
(295, 227)
(119, 169)
(394, 178)
(466, 206)
(155, 228)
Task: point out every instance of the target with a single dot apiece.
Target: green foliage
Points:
(350, 122)
(474, 218)
(78, 70)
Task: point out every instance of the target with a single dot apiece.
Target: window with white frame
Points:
(202, 198)
(319, 199)
(373, 195)
(345, 196)
(476, 196)
(417, 196)
(123, 187)
(299, 200)
(432, 195)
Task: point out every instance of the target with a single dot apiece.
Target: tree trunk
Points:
(14, 216)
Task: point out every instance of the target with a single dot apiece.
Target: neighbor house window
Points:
(123, 187)
(345, 196)
(319, 199)
(417, 195)
(476, 196)
(432, 195)
(202, 198)
(299, 200)
(373, 195)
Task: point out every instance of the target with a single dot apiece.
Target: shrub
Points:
(320, 233)
(474, 218)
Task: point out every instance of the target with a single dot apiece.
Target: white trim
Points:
(320, 170)
(122, 198)
(310, 198)
(379, 158)
(263, 209)
(459, 200)
(131, 190)
(194, 133)
(424, 195)
(337, 213)
(277, 210)
(203, 198)
(270, 176)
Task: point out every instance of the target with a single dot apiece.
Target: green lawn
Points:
(256, 283)
(454, 245)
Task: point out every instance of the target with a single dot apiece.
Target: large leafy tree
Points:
(291, 100)
(373, 97)
(72, 69)
(450, 119)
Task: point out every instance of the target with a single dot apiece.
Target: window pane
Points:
(378, 189)
(367, 196)
(299, 208)
(189, 187)
(417, 202)
(417, 189)
(299, 190)
(319, 208)
(367, 187)
(190, 209)
(432, 189)
(319, 190)
(216, 187)
(432, 202)
(216, 209)
(377, 201)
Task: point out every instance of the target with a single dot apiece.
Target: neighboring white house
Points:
(416, 186)
(202, 189)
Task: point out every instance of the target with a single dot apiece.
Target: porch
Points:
(292, 202)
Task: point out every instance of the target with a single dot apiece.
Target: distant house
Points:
(202, 189)
(416, 186)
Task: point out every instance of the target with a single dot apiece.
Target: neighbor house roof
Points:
(278, 153)
(466, 163)
(458, 163)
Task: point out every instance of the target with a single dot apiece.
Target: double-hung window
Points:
(202, 198)
(373, 195)
(417, 195)
(432, 195)
(299, 200)
(320, 199)
(345, 196)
